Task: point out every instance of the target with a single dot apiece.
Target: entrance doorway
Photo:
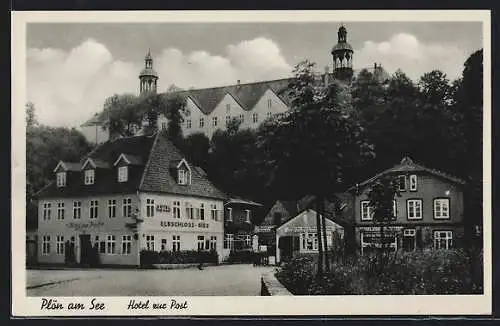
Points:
(86, 250)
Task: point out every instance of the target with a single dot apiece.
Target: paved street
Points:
(234, 280)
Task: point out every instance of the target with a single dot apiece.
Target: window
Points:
(201, 212)
(409, 239)
(127, 207)
(163, 126)
(213, 243)
(150, 207)
(77, 210)
(183, 177)
(111, 244)
(150, 242)
(202, 122)
(46, 244)
(163, 244)
(89, 177)
(269, 103)
(47, 211)
(228, 241)
(269, 114)
(228, 108)
(402, 183)
(94, 209)
(366, 211)
(228, 120)
(60, 245)
(188, 124)
(112, 208)
(394, 209)
(177, 209)
(100, 245)
(214, 212)
(60, 211)
(443, 239)
(248, 240)
(309, 241)
(61, 179)
(126, 244)
(413, 182)
(122, 174)
(414, 209)
(229, 214)
(441, 208)
(189, 211)
(214, 121)
(242, 118)
(255, 117)
(201, 243)
(247, 216)
(176, 243)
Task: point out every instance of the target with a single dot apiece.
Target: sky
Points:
(73, 67)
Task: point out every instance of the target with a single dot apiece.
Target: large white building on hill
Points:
(209, 109)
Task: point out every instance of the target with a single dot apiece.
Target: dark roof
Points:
(247, 95)
(133, 159)
(342, 46)
(237, 200)
(407, 165)
(159, 176)
(156, 175)
(70, 166)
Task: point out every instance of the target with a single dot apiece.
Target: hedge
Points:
(420, 272)
(149, 257)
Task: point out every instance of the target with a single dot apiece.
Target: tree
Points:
(121, 116)
(197, 149)
(311, 149)
(31, 120)
(382, 194)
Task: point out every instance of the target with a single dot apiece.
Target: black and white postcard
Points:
(251, 163)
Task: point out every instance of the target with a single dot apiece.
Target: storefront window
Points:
(126, 244)
(150, 242)
(409, 239)
(228, 241)
(201, 243)
(309, 241)
(443, 239)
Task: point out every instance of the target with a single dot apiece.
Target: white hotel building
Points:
(127, 195)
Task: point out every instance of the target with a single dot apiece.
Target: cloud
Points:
(68, 87)
(404, 51)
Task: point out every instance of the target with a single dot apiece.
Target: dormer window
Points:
(183, 173)
(122, 174)
(247, 216)
(182, 177)
(61, 179)
(89, 177)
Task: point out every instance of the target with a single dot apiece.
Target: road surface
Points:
(230, 280)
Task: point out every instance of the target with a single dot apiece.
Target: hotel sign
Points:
(184, 224)
(84, 226)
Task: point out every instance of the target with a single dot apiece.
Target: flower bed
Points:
(420, 272)
(149, 258)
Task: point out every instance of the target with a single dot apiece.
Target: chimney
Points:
(375, 65)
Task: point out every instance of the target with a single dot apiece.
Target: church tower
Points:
(342, 57)
(148, 77)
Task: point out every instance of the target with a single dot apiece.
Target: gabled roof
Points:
(68, 166)
(129, 159)
(234, 200)
(247, 95)
(96, 163)
(407, 165)
(306, 220)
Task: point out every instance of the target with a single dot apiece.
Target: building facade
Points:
(210, 109)
(427, 214)
(128, 195)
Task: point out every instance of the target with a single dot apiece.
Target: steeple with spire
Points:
(342, 54)
(148, 78)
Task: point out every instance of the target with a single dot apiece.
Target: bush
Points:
(149, 257)
(419, 272)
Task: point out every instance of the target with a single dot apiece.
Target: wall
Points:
(160, 225)
(428, 188)
(101, 226)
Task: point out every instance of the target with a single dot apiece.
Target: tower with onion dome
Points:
(148, 77)
(342, 54)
